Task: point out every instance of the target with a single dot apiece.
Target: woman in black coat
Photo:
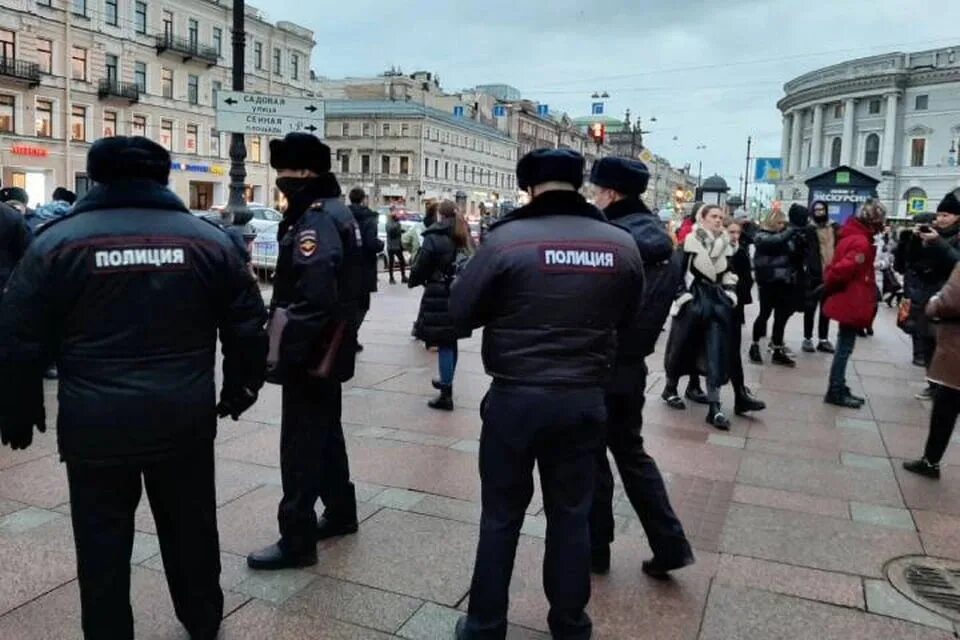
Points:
(445, 245)
(745, 402)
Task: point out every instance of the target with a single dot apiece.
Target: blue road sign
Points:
(458, 112)
(543, 110)
(769, 170)
(499, 111)
(597, 109)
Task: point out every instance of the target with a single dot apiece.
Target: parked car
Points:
(263, 216)
(264, 250)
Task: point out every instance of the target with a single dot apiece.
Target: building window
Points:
(140, 76)
(168, 23)
(426, 167)
(8, 45)
(365, 128)
(838, 110)
(446, 170)
(140, 17)
(473, 175)
(386, 129)
(45, 55)
(6, 114)
(404, 130)
(385, 164)
(166, 82)
(80, 7)
(871, 154)
(78, 123)
(835, 149)
(111, 64)
(918, 152)
(44, 124)
(344, 161)
(258, 55)
(138, 126)
(193, 32)
(215, 87)
(436, 168)
(874, 107)
(110, 13)
(79, 64)
(404, 166)
(214, 143)
(218, 40)
(277, 61)
(345, 129)
(166, 134)
(922, 103)
(295, 66)
(255, 155)
(456, 172)
(190, 142)
(193, 89)
(365, 164)
(109, 124)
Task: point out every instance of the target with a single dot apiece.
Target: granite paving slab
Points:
(330, 598)
(259, 620)
(812, 584)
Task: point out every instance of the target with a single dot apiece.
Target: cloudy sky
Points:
(710, 71)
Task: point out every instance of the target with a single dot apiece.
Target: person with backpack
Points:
(446, 247)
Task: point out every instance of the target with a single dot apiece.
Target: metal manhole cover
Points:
(932, 583)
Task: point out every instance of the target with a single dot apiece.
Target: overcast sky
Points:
(711, 72)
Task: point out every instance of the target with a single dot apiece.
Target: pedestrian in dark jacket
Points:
(703, 314)
(372, 247)
(619, 183)
(744, 400)
(444, 245)
(920, 283)
(851, 294)
(318, 286)
(944, 374)
(15, 237)
(395, 246)
(822, 237)
(778, 264)
(551, 284)
(136, 353)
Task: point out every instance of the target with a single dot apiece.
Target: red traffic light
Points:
(598, 132)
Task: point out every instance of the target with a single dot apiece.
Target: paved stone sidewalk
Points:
(793, 514)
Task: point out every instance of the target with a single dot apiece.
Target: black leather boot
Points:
(340, 523)
(275, 557)
(443, 402)
(660, 568)
(754, 354)
(600, 559)
(745, 402)
(716, 417)
(781, 358)
(842, 399)
(673, 399)
(923, 467)
(696, 394)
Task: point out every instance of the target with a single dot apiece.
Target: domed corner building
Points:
(893, 117)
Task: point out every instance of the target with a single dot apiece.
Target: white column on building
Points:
(846, 143)
(889, 133)
(816, 143)
(785, 140)
(796, 144)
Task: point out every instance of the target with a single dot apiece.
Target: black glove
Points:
(234, 402)
(17, 430)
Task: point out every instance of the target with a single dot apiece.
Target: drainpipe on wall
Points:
(67, 106)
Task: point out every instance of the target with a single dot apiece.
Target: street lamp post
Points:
(236, 204)
(700, 147)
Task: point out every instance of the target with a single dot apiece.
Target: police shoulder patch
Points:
(307, 243)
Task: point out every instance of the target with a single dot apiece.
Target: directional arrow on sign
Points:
(230, 101)
(272, 115)
(311, 108)
(311, 128)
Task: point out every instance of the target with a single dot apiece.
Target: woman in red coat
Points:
(851, 287)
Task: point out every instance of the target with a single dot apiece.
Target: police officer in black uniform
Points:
(15, 237)
(619, 182)
(318, 283)
(551, 284)
(127, 294)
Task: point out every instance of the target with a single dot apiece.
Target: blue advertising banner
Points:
(543, 110)
(458, 112)
(499, 111)
(769, 170)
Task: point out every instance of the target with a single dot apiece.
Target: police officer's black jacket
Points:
(661, 277)
(318, 278)
(552, 284)
(15, 236)
(372, 244)
(127, 294)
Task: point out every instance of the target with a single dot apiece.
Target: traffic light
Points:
(598, 132)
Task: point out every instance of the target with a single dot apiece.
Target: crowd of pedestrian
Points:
(568, 378)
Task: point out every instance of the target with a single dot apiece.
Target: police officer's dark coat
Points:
(15, 236)
(318, 280)
(127, 295)
(557, 244)
(433, 269)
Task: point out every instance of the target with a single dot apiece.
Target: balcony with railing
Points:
(112, 90)
(186, 49)
(13, 71)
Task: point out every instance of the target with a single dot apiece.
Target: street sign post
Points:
(260, 114)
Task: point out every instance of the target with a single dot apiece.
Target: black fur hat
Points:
(949, 204)
(300, 151)
(623, 175)
(122, 158)
(550, 165)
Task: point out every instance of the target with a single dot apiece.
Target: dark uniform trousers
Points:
(182, 493)
(561, 429)
(313, 461)
(641, 478)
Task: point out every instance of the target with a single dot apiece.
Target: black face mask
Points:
(292, 186)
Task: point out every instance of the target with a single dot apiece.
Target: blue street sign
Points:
(543, 110)
(769, 170)
(499, 111)
(597, 109)
(458, 112)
